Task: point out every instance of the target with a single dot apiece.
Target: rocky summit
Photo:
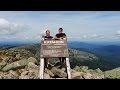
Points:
(22, 62)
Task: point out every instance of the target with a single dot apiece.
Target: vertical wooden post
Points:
(68, 68)
(41, 68)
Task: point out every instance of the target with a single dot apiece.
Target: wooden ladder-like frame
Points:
(42, 68)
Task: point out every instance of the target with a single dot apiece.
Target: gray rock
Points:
(99, 71)
(33, 74)
(24, 73)
(3, 63)
(76, 74)
(58, 72)
(24, 77)
(85, 67)
(49, 72)
(46, 76)
(32, 59)
(11, 75)
(87, 76)
(31, 65)
(78, 77)
(63, 69)
(30, 74)
(1, 75)
(14, 73)
(17, 56)
(19, 64)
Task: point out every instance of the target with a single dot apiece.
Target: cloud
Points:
(90, 25)
(118, 32)
(84, 36)
(10, 28)
(96, 36)
(93, 36)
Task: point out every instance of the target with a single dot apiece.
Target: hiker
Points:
(47, 37)
(61, 36)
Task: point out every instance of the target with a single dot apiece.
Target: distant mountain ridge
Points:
(108, 56)
(78, 57)
(75, 44)
(110, 52)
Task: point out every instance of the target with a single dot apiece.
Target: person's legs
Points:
(60, 59)
(48, 60)
(45, 62)
(63, 59)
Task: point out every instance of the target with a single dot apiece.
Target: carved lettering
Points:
(54, 48)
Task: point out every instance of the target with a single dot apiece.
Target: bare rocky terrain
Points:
(22, 62)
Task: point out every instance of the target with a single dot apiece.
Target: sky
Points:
(78, 25)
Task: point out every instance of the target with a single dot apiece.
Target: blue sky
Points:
(78, 25)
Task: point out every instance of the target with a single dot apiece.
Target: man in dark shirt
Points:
(61, 36)
(47, 37)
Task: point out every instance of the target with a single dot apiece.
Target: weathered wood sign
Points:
(54, 48)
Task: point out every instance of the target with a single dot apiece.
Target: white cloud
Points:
(96, 36)
(117, 35)
(90, 25)
(10, 28)
(118, 32)
(84, 36)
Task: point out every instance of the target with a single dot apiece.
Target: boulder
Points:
(32, 59)
(11, 75)
(24, 73)
(1, 75)
(2, 64)
(87, 76)
(76, 74)
(49, 72)
(46, 76)
(17, 56)
(24, 77)
(19, 64)
(63, 69)
(58, 72)
(33, 74)
(31, 65)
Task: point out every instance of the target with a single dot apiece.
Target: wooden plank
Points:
(68, 68)
(54, 48)
(41, 68)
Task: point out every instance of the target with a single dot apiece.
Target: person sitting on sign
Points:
(47, 37)
(61, 36)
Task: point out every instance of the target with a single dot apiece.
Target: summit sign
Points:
(54, 48)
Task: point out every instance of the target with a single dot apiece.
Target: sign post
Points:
(53, 49)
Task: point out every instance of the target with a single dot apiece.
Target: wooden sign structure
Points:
(53, 49)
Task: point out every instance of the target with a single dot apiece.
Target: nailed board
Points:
(54, 48)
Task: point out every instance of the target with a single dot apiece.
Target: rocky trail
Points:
(21, 63)
(29, 69)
